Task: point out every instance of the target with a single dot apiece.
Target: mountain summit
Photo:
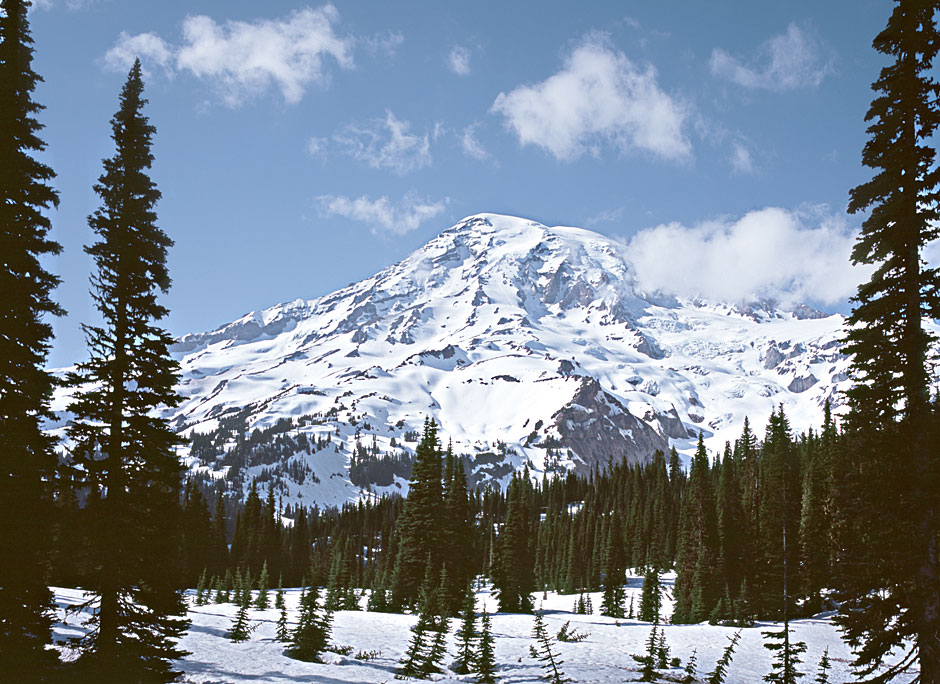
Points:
(529, 345)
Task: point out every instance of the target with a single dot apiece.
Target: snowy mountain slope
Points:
(528, 344)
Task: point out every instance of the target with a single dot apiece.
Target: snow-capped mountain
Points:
(527, 344)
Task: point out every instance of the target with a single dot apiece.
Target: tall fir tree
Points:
(891, 591)
(697, 580)
(126, 451)
(513, 577)
(27, 461)
(419, 524)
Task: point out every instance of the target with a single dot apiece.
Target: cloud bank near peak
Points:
(790, 256)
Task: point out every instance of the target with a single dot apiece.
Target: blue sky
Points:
(303, 147)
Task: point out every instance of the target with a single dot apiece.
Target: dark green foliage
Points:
(282, 633)
(543, 651)
(279, 596)
(648, 661)
(717, 676)
(570, 635)
(467, 634)
(411, 664)
(201, 591)
(28, 461)
(786, 656)
(378, 600)
(241, 630)
(484, 665)
(312, 634)
(698, 554)
(662, 650)
(124, 450)
(822, 675)
(888, 583)
(261, 603)
(513, 575)
(419, 525)
(651, 597)
(689, 670)
(438, 650)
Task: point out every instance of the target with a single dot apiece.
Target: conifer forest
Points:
(136, 548)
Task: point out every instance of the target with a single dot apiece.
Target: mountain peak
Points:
(529, 344)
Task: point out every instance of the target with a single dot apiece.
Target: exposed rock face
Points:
(598, 428)
(802, 383)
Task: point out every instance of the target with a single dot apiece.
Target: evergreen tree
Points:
(779, 510)
(651, 597)
(615, 596)
(282, 633)
(696, 587)
(126, 451)
(312, 634)
(689, 669)
(717, 676)
(418, 526)
(550, 661)
(786, 656)
(513, 576)
(647, 661)
(822, 675)
(279, 596)
(28, 460)
(432, 663)
(261, 603)
(889, 584)
(201, 599)
(484, 665)
(815, 519)
(458, 552)
(467, 633)
(417, 651)
(241, 630)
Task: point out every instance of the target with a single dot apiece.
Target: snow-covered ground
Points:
(603, 658)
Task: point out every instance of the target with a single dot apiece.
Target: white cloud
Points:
(598, 96)
(471, 146)
(741, 159)
(386, 44)
(245, 59)
(791, 60)
(150, 48)
(792, 257)
(386, 144)
(242, 60)
(458, 60)
(381, 214)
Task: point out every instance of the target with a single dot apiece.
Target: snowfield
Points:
(603, 658)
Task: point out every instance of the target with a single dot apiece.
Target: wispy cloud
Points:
(243, 60)
(605, 216)
(598, 97)
(382, 215)
(789, 256)
(741, 159)
(316, 147)
(386, 144)
(458, 60)
(471, 146)
(794, 59)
